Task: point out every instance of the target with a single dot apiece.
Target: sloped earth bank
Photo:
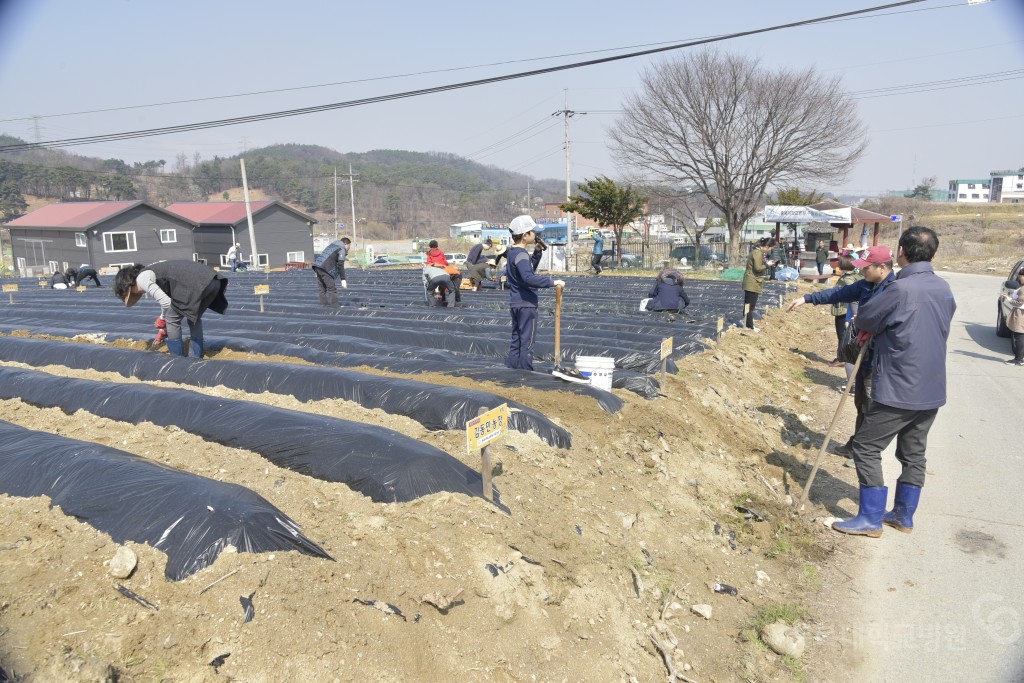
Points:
(608, 546)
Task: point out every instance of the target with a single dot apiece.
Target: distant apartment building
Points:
(969, 191)
(1007, 187)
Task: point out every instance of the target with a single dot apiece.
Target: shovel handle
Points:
(558, 327)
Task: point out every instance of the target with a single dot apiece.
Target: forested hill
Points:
(398, 192)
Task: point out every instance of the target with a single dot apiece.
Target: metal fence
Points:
(638, 254)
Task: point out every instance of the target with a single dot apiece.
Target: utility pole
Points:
(254, 254)
(352, 198)
(566, 114)
(529, 198)
(335, 203)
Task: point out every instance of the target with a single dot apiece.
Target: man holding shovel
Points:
(523, 284)
(910, 324)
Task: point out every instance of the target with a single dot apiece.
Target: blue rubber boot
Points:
(868, 521)
(902, 516)
(195, 347)
(175, 347)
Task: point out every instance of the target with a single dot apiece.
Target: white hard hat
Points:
(521, 225)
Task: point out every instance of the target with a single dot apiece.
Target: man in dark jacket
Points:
(329, 268)
(523, 284)
(910, 324)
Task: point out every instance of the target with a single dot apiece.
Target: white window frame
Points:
(168, 236)
(55, 267)
(119, 266)
(108, 245)
(295, 256)
(81, 240)
(264, 259)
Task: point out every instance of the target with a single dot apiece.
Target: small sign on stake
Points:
(10, 289)
(261, 290)
(44, 283)
(80, 288)
(482, 430)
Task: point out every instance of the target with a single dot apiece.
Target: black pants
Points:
(840, 328)
(595, 262)
(749, 304)
(881, 424)
(328, 287)
(1017, 345)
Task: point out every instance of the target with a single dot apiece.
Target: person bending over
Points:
(184, 289)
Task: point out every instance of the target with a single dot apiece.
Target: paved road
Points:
(946, 603)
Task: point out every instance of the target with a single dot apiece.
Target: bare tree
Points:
(732, 128)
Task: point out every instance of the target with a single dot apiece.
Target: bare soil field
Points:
(594, 575)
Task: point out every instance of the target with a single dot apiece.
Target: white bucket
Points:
(598, 368)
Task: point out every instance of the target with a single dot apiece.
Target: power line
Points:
(372, 79)
(69, 142)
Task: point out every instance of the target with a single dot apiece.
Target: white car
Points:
(457, 259)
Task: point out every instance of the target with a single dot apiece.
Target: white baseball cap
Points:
(521, 225)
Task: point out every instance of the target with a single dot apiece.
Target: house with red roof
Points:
(283, 234)
(102, 234)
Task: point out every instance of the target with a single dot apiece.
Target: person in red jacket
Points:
(435, 257)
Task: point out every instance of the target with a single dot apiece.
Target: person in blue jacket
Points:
(668, 293)
(876, 267)
(598, 253)
(523, 284)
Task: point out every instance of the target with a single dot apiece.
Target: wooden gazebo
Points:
(851, 215)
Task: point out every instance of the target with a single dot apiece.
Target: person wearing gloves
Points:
(668, 294)
(71, 276)
(87, 272)
(876, 275)
(523, 284)
(329, 268)
(184, 289)
(437, 284)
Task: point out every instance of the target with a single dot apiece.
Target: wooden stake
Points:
(558, 327)
(828, 435)
(485, 465)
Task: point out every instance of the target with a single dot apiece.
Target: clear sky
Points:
(61, 56)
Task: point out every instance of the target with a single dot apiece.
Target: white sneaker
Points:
(571, 375)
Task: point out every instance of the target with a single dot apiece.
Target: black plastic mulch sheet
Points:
(309, 348)
(433, 406)
(377, 462)
(188, 517)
